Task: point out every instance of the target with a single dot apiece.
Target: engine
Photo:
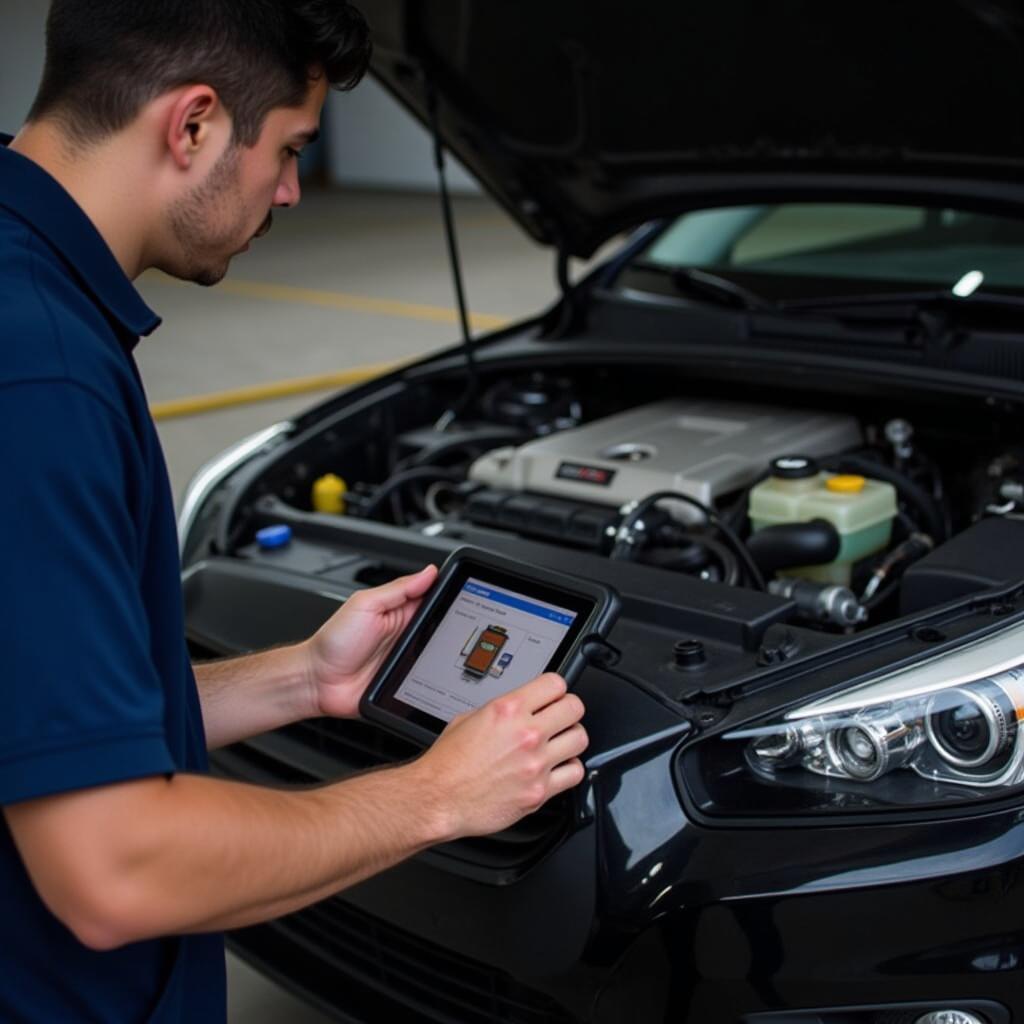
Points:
(707, 450)
(847, 517)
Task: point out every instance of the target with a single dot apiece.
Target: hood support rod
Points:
(473, 384)
(570, 312)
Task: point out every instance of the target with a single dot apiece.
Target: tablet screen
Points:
(490, 640)
(488, 626)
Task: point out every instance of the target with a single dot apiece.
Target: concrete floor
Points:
(291, 307)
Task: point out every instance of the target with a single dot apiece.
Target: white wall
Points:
(21, 58)
(372, 142)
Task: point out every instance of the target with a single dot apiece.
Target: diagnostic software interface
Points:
(490, 641)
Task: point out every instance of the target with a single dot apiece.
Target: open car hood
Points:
(584, 118)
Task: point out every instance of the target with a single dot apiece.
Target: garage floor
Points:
(344, 280)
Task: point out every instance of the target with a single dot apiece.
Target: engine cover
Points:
(705, 449)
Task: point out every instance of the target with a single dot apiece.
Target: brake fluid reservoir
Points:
(861, 510)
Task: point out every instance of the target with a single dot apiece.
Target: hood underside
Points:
(584, 118)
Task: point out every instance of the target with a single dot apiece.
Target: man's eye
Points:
(292, 152)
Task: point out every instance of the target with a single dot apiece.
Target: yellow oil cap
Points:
(845, 483)
(329, 494)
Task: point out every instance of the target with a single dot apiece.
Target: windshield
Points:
(791, 250)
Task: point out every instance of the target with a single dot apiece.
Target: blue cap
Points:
(271, 537)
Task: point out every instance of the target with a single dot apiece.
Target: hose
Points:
(791, 544)
(905, 487)
(410, 476)
(671, 553)
(630, 527)
(474, 446)
(916, 546)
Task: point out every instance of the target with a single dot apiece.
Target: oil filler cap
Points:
(272, 537)
(794, 467)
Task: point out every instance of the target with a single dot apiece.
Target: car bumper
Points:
(864, 956)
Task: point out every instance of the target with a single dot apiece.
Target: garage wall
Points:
(370, 141)
(21, 58)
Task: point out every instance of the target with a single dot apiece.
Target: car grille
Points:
(378, 972)
(326, 749)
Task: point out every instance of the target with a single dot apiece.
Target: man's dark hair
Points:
(105, 59)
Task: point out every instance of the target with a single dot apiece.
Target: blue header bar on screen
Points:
(500, 597)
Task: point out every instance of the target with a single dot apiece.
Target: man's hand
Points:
(492, 766)
(345, 653)
(159, 856)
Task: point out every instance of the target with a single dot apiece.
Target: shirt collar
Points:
(32, 195)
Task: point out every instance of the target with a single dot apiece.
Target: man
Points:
(163, 133)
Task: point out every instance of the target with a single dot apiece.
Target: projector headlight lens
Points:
(945, 730)
(970, 727)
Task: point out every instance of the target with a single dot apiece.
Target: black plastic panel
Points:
(988, 554)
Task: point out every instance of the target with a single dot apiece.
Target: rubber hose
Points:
(399, 481)
(791, 544)
(675, 557)
(906, 488)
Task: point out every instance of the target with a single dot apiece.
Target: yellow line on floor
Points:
(348, 302)
(266, 392)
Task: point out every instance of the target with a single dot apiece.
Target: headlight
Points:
(965, 735)
(948, 729)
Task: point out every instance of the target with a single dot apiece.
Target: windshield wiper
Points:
(937, 318)
(725, 292)
(720, 290)
(928, 316)
(917, 300)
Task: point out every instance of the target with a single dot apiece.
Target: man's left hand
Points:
(345, 653)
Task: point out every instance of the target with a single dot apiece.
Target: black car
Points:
(783, 421)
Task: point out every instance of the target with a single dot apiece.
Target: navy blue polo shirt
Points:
(95, 677)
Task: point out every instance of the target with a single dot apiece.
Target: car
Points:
(780, 415)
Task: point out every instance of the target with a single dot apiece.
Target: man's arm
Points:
(245, 696)
(325, 675)
(153, 857)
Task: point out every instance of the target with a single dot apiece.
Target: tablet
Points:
(487, 626)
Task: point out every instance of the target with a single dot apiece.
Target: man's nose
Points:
(289, 192)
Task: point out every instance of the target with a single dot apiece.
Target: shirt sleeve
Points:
(83, 704)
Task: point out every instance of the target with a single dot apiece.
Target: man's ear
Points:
(191, 122)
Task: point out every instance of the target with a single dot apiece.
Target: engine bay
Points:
(853, 511)
(758, 547)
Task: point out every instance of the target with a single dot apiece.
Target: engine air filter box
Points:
(988, 554)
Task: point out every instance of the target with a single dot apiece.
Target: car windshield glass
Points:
(803, 250)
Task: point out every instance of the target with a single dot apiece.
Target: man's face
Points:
(217, 219)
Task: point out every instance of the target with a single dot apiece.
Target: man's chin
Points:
(194, 272)
(209, 277)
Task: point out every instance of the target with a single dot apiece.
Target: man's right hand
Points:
(162, 856)
(494, 765)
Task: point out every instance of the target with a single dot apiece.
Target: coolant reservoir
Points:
(861, 510)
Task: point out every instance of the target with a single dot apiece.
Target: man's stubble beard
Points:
(211, 219)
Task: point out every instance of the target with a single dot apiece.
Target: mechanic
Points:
(163, 133)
